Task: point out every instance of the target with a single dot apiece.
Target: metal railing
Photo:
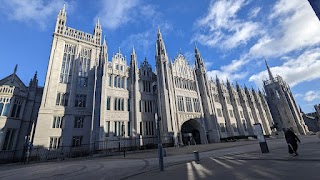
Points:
(107, 148)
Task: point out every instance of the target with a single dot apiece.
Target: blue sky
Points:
(233, 36)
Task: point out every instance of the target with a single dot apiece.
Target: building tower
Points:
(166, 100)
(208, 109)
(69, 114)
(282, 104)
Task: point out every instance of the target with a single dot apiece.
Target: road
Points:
(243, 161)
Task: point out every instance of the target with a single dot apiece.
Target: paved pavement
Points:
(239, 160)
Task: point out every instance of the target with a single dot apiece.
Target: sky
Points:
(234, 36)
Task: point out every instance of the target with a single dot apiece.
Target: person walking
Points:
(292, 140)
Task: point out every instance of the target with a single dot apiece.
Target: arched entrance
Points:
(190, 132)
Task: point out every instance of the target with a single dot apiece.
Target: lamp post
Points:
(160, 151)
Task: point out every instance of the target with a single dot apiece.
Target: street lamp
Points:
(160, 152)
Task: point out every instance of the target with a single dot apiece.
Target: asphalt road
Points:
(243, 161)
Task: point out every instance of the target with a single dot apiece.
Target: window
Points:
(219, 112)
(180, 103)
(231, 113)
(228, 100)
(108, 102)
(84, 64)
(119, 128)
(115, 81)
(234, 126)
(4, 106)
(54, 143)
(141, 128)
(123, 82)
(62, 99)
(189, 104)
(77, 141)
(67, 63)
(8, 140)
(146, 86)
(78, 122)
(222, 127)
(15, 112)
(109, 80)
(107, 128)
(57, 121)
(128, 104)
(146, 106)
(241, 114)
(245, 127)
(119, 104)
(117, 67)
(80, 100)
(196, 105)
(216, 98)
(149, 131)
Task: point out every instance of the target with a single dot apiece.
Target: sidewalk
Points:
(277, 164)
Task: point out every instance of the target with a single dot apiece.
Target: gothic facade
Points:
(282, 105)
(88, 99)
(19, 106)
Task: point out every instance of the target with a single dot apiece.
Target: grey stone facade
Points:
(282, 105)
(89, 99)
(19, 106)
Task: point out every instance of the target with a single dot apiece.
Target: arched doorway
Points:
(190, 132)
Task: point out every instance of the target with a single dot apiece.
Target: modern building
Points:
(282, 104)
(19, 106)
(89, 99)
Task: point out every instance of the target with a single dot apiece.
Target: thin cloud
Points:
(33, 12)
(221, 27)
(311, 96)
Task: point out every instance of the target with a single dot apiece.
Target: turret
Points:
(61, 21)
(269, 71)
(160, 47)
(97, 32)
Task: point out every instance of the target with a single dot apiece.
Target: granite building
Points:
(19, 106)
(282, 105)
(88, 98)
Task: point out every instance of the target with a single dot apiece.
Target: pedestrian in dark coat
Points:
(292, 140)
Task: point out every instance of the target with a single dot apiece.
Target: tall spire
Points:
(104, 41)
(199, 61)
(269, 71)
(160, 47)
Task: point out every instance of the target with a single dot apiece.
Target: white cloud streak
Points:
(311, 96)
(294, 71)
(116, 13)
(221, 27)
(32, 11)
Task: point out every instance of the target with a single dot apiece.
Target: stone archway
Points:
(190, 132)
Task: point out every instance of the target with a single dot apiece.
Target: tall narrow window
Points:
(128, 104)
(189, 104)
(15, 112)
(67, 63)
(108, 102)
(8, 139)
(54, 142)
(219, 112)
(62, 99)
(196, 105)
(84, 64)
(80, 100)
(107, 128)
(78, 122)
(180, 103)
(76, 141)
(109, 80)
(57, 121)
